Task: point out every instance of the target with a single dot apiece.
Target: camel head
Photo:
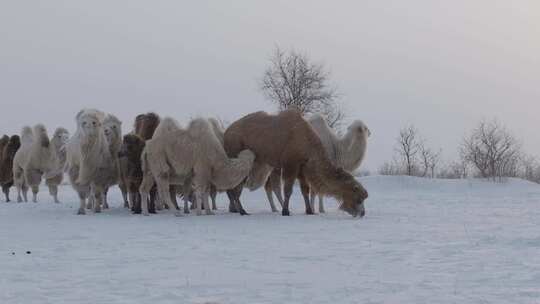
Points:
(60, 138)
(352, 194)
(112, 128)
(359, 128)
(89, 122)
(132, 147)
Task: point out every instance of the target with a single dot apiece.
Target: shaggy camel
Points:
(89, 162)
(288, 142)
(8, 148)
(27, 138)
(112, 128)
(190, 156)
(32, 161)
(56, 175)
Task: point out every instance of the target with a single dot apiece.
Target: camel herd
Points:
(160, 160)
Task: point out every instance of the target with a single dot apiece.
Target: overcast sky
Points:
(441, 65)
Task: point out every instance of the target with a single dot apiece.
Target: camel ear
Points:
(368, 132)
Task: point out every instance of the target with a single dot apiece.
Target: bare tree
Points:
(429, 160)
(530, 168)
(293, 81)
(408, 147)
(492, 150)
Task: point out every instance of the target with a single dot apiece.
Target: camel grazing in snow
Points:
(191, 156)
(346, 152)
(288, 142)
(89, 162)
(8, 148)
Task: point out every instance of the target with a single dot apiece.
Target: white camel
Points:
(177, 155)
(89, 159)
(346, 152)
(58, 161)
(34, 160)
(19, 162)
(112, 128)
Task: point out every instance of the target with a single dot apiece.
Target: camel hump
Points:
(167, 125)
(40, 133)
(27, 135)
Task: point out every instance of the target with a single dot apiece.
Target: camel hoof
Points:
(243, 212)
(81, 212)
(208, 212)
(146, 214)
(178, 214)
(97, 210)
(285, 212)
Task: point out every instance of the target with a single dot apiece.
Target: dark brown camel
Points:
(288, 142)
(8, 148)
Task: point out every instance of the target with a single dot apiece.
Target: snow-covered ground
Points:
(422, 241)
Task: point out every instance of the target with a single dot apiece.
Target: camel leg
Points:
(312, 196)
(135, 207)
(290, 173)
(5, 189)
(172, 193)
(53, 190)
(19, 196)
(151, 202)
(25, 193)
(145, 196)
(232, 201)
(159, 204)
(268, 189)
(234, 197)
(124, 191)
(213, 195)
(321, 204)
(305, 188)
(105, 201)
(163, 190)
(98, 198)
(206, 203)
(82, 198)
(35, 190)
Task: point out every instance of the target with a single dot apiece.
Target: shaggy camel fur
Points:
(56, 175)
(112, 128)
(19, 162)
(346, 152)
(89, 161)
(8, 148)
(288, 142)
(33, 161)
(192, 155)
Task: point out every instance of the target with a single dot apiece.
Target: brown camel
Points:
(287, 141)
(8, 148)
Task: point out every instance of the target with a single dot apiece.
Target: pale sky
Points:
(441, 65)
